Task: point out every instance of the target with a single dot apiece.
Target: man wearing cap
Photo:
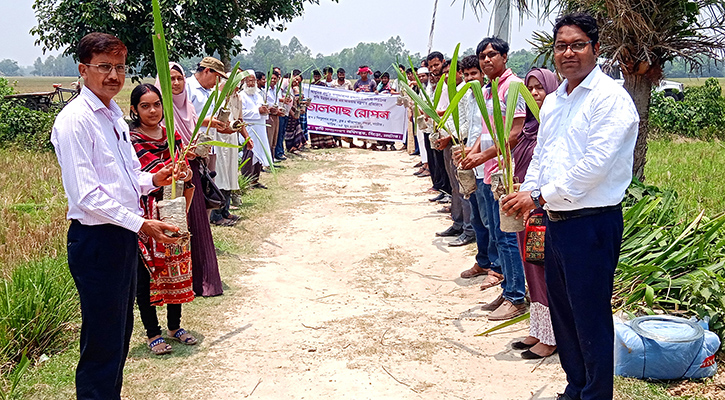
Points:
(199, 87)
(364, 84)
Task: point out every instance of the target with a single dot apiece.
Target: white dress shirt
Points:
(102, 176)
(585, 148)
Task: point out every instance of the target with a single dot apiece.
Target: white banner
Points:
(342, 112)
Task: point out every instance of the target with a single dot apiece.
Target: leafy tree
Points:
(267, 51)
(9, 67)
(55, 66)
(194, 27)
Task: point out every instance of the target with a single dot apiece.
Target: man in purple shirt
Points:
(364, 84)
(103, 181)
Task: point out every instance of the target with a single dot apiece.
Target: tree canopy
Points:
(193, 27)
(9, 68)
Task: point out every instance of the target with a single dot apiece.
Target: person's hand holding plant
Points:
(155, 229)
(519, 204)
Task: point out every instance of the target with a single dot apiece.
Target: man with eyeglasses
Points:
(104, 183)
(581, 168)
(507, 269)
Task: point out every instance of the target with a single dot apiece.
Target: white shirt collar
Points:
(588, 82)
(96, 104)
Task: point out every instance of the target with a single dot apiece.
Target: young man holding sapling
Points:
(580, 170)
(436, 163)
(492, 55)
(104, 183)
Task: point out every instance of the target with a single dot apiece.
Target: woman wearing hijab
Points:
(205, 267)
(541, 342)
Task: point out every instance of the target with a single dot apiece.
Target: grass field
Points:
(696, 81)
(30, 84)
(693, 169)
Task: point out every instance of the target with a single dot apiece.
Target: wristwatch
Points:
(535, 196)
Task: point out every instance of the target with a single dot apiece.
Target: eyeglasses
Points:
(490, 55)
(576, 47)
(106, 68)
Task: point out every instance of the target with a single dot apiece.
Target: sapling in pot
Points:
(503, 183)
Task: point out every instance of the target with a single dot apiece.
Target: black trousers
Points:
(103, 261)
(148, 311)
(581, 255)
(436, 166)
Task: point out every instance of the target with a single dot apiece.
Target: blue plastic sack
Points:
(664, 347)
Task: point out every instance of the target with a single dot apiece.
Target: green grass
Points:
(696, 81)
(147, 376)
(692, 168)
(30, 84)
(262, 211)
(32, 208)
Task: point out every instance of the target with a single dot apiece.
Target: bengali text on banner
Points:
(361, 115)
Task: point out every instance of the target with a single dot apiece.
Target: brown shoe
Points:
(507, 310)
(475, 270)
(492, 279)
(494, 304)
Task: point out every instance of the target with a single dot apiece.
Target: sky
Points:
(325, 28)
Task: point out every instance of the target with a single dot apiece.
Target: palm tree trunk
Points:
(432, 27)
(640, 88)
(502, 19)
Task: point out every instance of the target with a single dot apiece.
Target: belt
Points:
(556, 216)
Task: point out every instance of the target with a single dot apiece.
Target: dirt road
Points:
(353, 297)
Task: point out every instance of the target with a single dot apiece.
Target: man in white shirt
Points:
(581, 168)
(104, 183)
(460, 207)
(436, 161)
(200, 86)
(254, 113)
(274, 114)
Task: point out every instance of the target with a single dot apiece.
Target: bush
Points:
(21, 126)
(701, 115)
(37, 303)
(670, 260)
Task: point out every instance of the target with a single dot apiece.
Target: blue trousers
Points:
(279, 146)
(103, 260)
(581, 255)
(507, 248)
(487, 256)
